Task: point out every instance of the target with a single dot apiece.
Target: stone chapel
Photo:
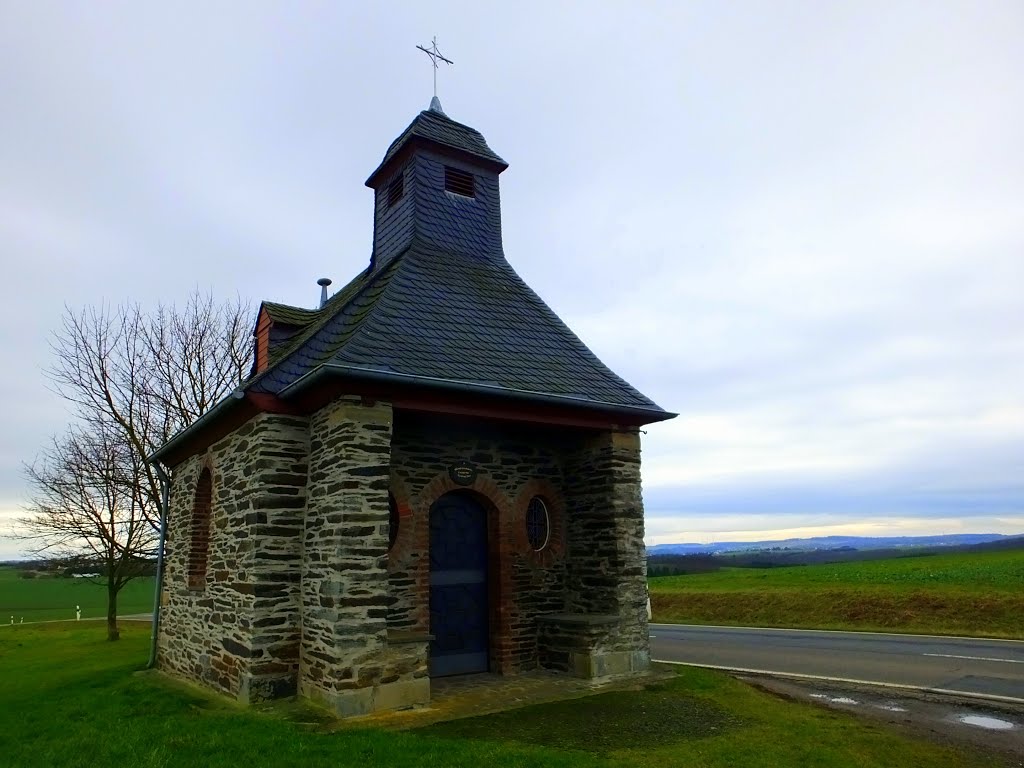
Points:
(427, 475)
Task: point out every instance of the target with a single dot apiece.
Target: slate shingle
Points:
(289, 315)
(432, 314)
(438, 127)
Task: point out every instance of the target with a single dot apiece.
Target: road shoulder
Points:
(990, 727)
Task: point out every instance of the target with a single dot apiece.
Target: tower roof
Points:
(433, 128)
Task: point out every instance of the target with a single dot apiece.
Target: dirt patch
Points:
(603, 723)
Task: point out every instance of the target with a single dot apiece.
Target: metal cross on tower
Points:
(435, 56)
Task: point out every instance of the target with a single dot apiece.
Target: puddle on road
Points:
(991, 723)
(977, 721)
(847, 700)
(834, 699)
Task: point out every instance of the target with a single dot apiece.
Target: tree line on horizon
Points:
(779, 557)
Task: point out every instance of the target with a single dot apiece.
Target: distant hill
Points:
(831, 542)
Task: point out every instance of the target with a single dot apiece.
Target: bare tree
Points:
(199, 354)
(84, 510)
(134, 379)
(151, 375)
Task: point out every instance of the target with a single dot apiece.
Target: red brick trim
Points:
(404, 545)
(200, 528)
(261, 347)
(501, 594)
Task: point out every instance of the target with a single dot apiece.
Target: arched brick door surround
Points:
(501, 597)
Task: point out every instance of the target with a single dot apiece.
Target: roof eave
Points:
(181, 438)
(637, 414)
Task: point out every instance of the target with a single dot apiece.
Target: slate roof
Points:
(441, 307)
(289, 315)
(315, 320)
(435, 126)
(431, 314)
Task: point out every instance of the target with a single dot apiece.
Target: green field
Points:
(45, 599)
(70, 699)
(970, 594)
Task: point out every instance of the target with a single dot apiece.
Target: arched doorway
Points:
(458, 586)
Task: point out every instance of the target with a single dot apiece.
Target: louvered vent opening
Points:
(396, 189)
(459, 182)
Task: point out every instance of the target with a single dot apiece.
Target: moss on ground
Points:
(607, 722)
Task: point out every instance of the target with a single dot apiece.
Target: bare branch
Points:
(135, 379)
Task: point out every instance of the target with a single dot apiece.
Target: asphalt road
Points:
(962, 665)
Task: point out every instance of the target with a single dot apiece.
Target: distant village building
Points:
(427, 475)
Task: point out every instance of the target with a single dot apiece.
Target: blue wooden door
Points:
(458, 586)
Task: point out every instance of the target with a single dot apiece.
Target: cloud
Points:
(798, 226)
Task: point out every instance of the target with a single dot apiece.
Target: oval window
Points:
(392, 521)
(538, 524)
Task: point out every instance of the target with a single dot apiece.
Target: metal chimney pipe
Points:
(323, 282)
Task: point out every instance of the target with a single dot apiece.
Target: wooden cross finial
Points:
(435, 56)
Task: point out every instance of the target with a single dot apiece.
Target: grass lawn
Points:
(69, 698)
(46, 599)
(968, 594)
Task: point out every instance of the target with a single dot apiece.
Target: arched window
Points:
(538, 524)
(199, 543)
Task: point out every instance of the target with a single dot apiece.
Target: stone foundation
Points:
(584, 645)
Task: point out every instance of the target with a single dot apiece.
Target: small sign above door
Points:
(462, 473)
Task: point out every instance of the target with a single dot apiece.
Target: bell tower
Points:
(437, 186)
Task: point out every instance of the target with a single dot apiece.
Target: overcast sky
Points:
(799, 225)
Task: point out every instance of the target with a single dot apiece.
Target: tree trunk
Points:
(112, 631)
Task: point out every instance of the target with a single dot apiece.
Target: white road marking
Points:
(876, 683)
(974, 658)
(836, 632)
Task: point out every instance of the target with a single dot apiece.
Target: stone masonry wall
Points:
(608, 571)
(513, 464)
(346, 660)
(237, 629)
(301, 592)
